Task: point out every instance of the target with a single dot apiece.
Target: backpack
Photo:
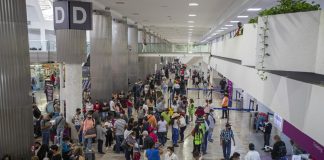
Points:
(282, 151)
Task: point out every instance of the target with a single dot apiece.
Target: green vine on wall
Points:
(288, 6)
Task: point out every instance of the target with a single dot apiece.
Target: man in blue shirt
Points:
(225, 140)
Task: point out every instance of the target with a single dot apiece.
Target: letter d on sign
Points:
(57, 11)
(75, 15)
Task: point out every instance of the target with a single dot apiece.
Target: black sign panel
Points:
(72, 15)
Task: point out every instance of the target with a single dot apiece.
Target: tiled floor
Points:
(241, 124)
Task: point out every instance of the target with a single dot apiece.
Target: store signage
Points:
(72, 15)
(304, 141)
(278, 121)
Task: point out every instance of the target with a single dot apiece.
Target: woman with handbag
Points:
(89, 131)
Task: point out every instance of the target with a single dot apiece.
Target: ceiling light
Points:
(242, 16)
(254, 9)
(224, 28)
(190, 29)
(193, 4)
(191, 26)
(220, 30)
(229, 25)
(234, 21)
(214, 34)
(191, 22)
(192, 15)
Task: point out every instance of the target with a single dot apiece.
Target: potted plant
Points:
(288, 6)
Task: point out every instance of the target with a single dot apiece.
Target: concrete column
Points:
(133, 53)
(101, 53)
(141, 60)
(119, 55)
(16, 122)
(71, 52)
(43, 39)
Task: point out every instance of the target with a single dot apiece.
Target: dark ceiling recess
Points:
(120, 2)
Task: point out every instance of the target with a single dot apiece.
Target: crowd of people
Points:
(137, 124)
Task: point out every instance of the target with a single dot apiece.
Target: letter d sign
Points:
(72, 15)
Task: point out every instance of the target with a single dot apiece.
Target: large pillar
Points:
(16, 122)
(119, 55)
(101, 53)
(141, 60)
(71, 50)
(133, 53)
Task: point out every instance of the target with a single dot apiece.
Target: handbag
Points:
(91, 133)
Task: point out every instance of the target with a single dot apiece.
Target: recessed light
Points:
(191, 26)
(214, 34)
(254, 9)
(120, 2)
(220, 30)
(193, 4)
(229, 25)
(234, 21)
(191, 21)
(224, 28)
(190, 29)
(192, 15)
(242, 16)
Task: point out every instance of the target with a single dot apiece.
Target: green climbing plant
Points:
(288, 6)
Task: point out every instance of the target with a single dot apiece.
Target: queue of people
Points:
(136, 124)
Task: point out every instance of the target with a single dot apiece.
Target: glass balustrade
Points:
(172, 48)
(50, 46)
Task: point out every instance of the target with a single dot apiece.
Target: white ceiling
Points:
(169, 17)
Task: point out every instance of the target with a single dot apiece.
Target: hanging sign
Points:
(72, 15)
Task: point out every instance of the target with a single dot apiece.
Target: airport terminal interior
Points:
(161, 79)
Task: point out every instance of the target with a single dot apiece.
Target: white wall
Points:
(241, 48)
(294, 42)
(298, 102)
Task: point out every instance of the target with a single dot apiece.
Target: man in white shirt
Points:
(252, 154)
(112, 106)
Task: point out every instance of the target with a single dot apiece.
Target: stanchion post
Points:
(198, 92)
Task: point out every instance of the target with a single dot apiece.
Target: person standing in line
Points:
(101, 132)
(45, 127)
(77, 121)
(105, 110)
(87, 125)
(252, 154)
(175, 129)
(162, 130)
(223, 84)
(211, 126)
(59, 123)
(226, 138)
(191, 109)
(112, 106)
(109, 134)
(267, 134)
(279, 150)
(119, 128)
(198, 134)
(205, 140)
(183, 126)
(225, 106)
(130, 144)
